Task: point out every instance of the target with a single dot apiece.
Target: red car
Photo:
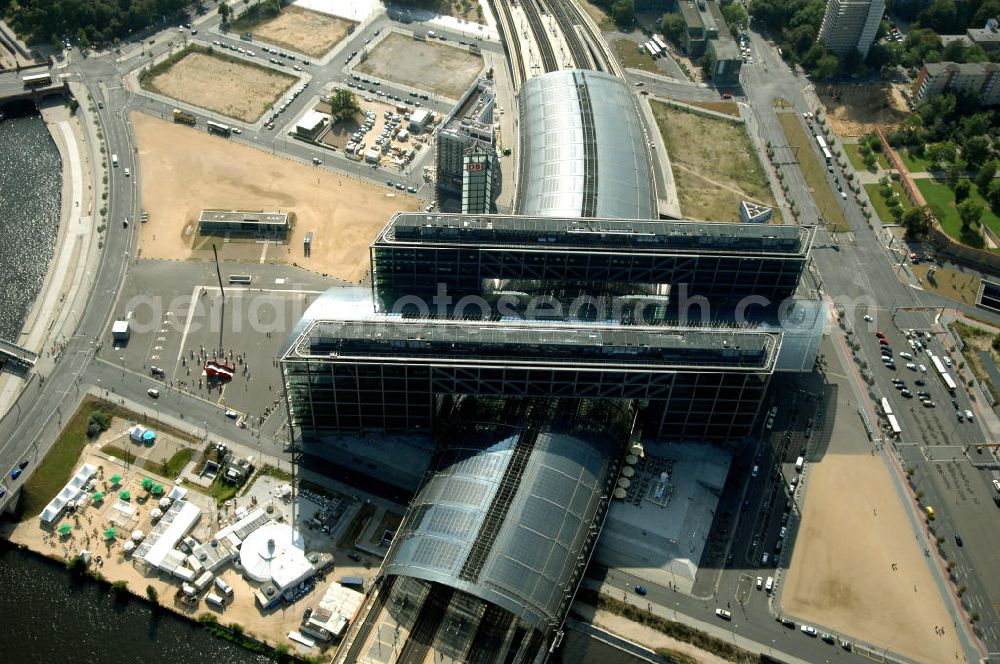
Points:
(726, 95)
(880, 335)
(883, 342)
(644, 92)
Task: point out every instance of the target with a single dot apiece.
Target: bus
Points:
(949, 383)
(886, 408)
(184, 117)
(31, 80)
(218, 128)
(827, 155)
(240, 278)
(653, 49)
(821, 142)
(659, 42)
(939, 365)
(894, 424)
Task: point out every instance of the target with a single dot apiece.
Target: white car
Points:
(868, 318)
(911, 366)
(947, 361)
(725, 615)
(996, 485)
(808, 631)
(923, 368)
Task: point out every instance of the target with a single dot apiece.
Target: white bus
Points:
(886, 408)
(949, 383)
(653, 49)
(827, 155)
(659, 42)
(218, 128)
(821, 141)
(32, 80)
(938, 364)
(894, 423)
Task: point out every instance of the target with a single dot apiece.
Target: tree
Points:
(343, 104)
(993, 194)
(224, 12)
(962, 189)
(673, 27)
(826, 66)
(976, 150)
(736, 17)
(915, 222)
(152, 595)
(81, 36)
(970, 212)
(942, 154)
(623, 13)
(985, 176)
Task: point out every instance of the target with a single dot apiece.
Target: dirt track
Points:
(854, 529)
(303, 31)
(236, 89)
(184, 171)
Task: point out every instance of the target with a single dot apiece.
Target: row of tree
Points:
(92, 22)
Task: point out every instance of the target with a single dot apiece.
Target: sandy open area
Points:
(219, 83)
(854, 529)
(303, 31)
(185, 171)
(423, 65)
(854, 110)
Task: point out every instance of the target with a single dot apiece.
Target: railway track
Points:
(578, 50)
(533, 14)
(501, 9)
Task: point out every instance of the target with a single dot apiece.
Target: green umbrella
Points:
(157, 489)
(98, 497)
(65, 529)
(147, 483)
(116, 478)
(125, 495)
(110, 533)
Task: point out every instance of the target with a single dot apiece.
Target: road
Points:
(856, 269)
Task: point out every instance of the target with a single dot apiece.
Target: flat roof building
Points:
(467, 167)
(311, 124)
(851, 25)
(988, 38)
(978, 79)
(243, 222)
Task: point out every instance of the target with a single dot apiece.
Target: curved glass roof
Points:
(528, 567)
(583, 149)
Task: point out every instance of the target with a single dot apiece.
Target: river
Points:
(30, 199)
(48, 617)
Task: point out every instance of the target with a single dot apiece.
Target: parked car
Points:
(725, 615)
(809, 631)
(640, 590)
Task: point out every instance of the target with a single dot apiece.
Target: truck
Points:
(184, 117)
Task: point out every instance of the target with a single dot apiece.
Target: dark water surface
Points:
(48, 618)
(30, 199)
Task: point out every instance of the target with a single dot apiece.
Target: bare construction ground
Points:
(714, 163)
(854, 110)
(857, 567)
(237, 89)
(304, 31)
(423, 65)
(184, 171)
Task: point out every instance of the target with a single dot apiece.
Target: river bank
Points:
(59, 618)
(54, 313)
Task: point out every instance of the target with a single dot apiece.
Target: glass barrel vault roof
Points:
(583, 150)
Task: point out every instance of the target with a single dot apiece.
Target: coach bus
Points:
(218, 128)
(31, 80)
(886, 408)
(894, 424)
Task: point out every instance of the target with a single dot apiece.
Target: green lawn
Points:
(879, 203)
(814, 172)
(854, 156)
(630, 56)
(941, 200)
(52, 472)
(913, 163)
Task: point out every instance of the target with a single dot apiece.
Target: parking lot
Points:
(435, 67)
(179, 321)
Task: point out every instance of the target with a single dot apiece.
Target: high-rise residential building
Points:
(850, 25)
